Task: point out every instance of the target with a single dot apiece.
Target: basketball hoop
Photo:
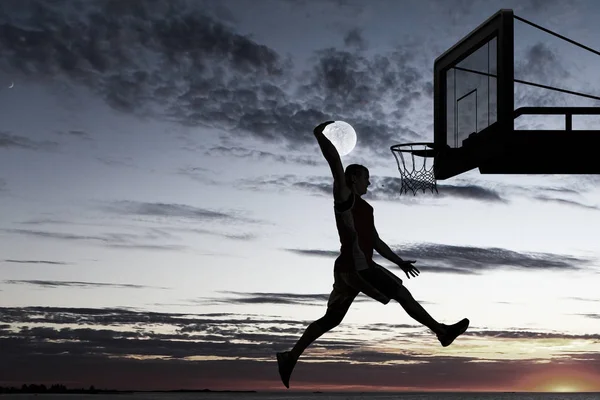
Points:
(416, 174)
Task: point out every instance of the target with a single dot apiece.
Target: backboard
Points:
(474, 116)
(474, 96)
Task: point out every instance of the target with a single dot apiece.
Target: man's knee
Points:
(403, 295)
(331, 319)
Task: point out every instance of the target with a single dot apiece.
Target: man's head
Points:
(357, 178)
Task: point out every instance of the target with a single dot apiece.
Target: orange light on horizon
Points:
(563, 381)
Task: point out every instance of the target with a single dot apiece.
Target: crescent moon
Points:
(12, 84)
(342, 135)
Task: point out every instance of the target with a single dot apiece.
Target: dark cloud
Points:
(554, 190)
(441, 258)
(387, 188)
(472, 192)
(124, 345)
(478, 259)
(260, 155)
(36, 262)
(520, 334)
(157, 247)
(199, 174)
(458, 11)
(8, 140)
(316, 253)
(170, 210)
(592, 316)
(347, 81)
(175, 61)
(539, 64)
(74, 133)
(114, 240)
(354, 39)
(233, 236)
(272, 298)
(316, 185)
(383, 188)
(57, 284)
(127, 162)
(583, 299)
(199, 65)
(567, 202)
(428, 267)
(540, 7)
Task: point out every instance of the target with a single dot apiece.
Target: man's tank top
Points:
(354, 220)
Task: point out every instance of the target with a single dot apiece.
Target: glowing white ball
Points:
(342, 135)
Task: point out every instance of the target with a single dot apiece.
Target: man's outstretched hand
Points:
(409, 269)
(319, 128)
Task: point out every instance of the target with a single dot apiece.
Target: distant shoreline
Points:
(41, 389)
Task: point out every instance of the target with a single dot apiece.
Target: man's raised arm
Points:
(340, 189)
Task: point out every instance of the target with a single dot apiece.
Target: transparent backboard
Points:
(471, 94)
(473, 91)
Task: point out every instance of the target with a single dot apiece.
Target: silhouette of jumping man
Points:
(354, 269)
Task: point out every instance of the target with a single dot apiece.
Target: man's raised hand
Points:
(319, 128)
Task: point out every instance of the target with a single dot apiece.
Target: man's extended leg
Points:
(287, 360)
(390, 285)
(445, 333)
(416, 311)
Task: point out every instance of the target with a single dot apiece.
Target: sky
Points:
(167, 216)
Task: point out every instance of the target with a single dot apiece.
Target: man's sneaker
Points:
(286, 366)
(453, 331)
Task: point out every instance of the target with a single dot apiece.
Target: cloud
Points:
(583, 299)
(472, 192)
(221, 350)
(539, 64)
(592, 316)
(466, 260)
(354, 39)
(8, 140)
(478, 259)
(234, 236)
(148, 237)
(522, 334)
(272, 298)
(114, 240)
(127, 162)
(36, 262)
(57, 284)
(176, 61)
(171, 210)
(567, 202)
(75, 133)
(423, 268)
(181, 55)
(390, 187)
(260, 155)
(199, 174)
(383, 188)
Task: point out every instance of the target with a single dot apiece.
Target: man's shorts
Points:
(343, 293)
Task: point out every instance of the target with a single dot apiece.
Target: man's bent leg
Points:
(330, 320)
(339, 302)
(287, 360)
